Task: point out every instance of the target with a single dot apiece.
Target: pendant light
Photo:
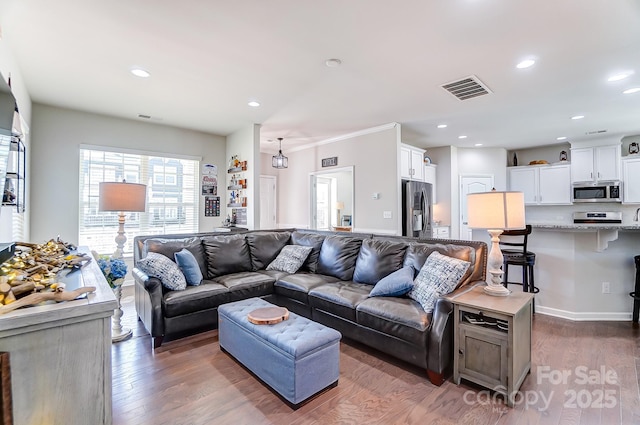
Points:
(279, 161)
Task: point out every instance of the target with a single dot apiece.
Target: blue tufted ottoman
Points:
(297, 357)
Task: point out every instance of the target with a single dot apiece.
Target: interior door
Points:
(471, 184)
(268, 202)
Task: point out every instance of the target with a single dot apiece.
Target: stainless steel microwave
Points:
(609, 191)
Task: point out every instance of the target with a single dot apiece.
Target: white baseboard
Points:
(584, 316)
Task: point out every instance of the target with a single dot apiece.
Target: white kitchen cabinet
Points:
(525, 180)
(630, 179)
(440, 232)
(598, 163)
(430, 177)
(411, 163)
(542, 185)
(554, 186)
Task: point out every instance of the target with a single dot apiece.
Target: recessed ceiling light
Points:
(618, 77)
(462, 137)
(478, 144)
(253, 104)
(333, 63)
(632, 90)
(577, 117)
(139, 72)
(525, 63)
(442, 126)
(561, 138)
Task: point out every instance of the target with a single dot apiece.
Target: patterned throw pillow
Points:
(290, 258)
(157, 265)
(438, 276)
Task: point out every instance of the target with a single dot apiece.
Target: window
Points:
(172, 196)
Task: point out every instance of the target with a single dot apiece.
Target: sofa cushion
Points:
(157, 265)
(265, 246)
(395, 284)
(314, 241)
(401, 317)
(439, 276)
(168, 248)
(226, 254)
(417, 254)
(297, 286)
(378, 259)
(247, 285)
(338, 256)
(205, 296)
(339, 298)
(189, 267)
(290, 259)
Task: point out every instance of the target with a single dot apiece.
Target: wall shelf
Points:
(14, 185)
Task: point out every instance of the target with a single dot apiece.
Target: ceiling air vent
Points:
(467, 88)
(595, 132)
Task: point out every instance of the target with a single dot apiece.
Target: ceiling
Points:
(207, 59)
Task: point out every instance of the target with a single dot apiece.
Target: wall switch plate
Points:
(606, 287)
(387, 214)
(376, 195)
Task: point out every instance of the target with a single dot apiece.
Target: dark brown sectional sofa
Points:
(332, 287)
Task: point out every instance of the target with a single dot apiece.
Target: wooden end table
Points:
(492, 340)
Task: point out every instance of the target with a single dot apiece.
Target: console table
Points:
(60, 357)
(492, 341)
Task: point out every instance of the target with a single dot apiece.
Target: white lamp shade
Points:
(115, 196)
(496, 210)
(339, 205)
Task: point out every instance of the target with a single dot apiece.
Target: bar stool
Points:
(636, 293)
(518, 257)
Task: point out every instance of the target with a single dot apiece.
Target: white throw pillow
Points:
(157, 265)
(290, 258)
(438, 276)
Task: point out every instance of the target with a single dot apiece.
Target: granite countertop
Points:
(586, 226)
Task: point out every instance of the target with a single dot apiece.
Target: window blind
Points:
(172, 196)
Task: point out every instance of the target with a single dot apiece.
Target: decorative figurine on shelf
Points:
(563, 156)
(634, 148)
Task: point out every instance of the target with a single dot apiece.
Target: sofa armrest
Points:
(440, 351)
(148, 300)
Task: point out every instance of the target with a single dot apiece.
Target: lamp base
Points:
(496, 290)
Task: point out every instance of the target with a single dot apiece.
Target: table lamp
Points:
(496, 212)
(122, 197)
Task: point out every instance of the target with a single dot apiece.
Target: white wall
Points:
(373, 156)
(9, 67)
(56, 136)
(246, 144)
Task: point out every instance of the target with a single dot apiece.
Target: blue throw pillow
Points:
(189, 266)
(395, 284)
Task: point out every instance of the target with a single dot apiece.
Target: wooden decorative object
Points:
(268, 315)
(38, 297)
(6, 403)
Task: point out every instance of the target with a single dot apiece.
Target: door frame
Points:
(312, 192)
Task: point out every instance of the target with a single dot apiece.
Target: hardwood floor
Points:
(190, 381)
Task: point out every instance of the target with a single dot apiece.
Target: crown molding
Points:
(346, 136)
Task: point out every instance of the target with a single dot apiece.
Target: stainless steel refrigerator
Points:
(416, 209)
